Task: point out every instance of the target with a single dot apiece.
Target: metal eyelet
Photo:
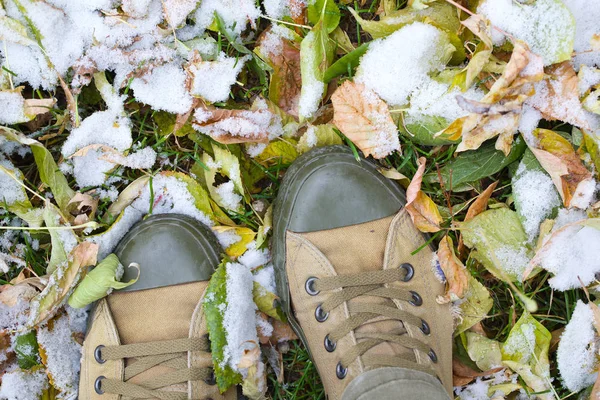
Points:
(212, 379)
(329, 344)
(98, 354)
(425, 327)
(432, 356)
(310, 286)
(417, 301)
(410, 272)
(320, 315)
(340, 371)
(98, 385)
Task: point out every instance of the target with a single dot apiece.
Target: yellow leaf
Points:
(422, 210)
(238, 248)
(365, 119)
(457, 279)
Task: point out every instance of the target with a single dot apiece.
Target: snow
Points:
(588, 78)
(433, 98)
(253, 257)
(311, 137)
(477, 390)
(63, 355)
(568, 216)
(571, 255)
(312, 88)
(271, 44)
(530, 118)
(12, 110)
(576, 354)
(213, 79)
(171, 196)
(584, 194)
(587, 15)
(514, 261)
(235, 13)
(276, 8)
(385, 140)
(10, 190)
(395, 66)
(229, 198)
(227, 238)
(239, 318)
(539, 24)
(265, 277)
(169, 82)
(536, 196)
(23, 385)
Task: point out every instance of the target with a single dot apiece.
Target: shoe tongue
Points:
(357, 249)
(149, 315)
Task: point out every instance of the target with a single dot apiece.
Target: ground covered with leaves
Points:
(487, 112)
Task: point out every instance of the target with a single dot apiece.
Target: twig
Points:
(285, 22)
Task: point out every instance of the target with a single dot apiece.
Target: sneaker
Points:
(150, 340)
(358, 293)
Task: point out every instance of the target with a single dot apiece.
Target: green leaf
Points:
(58, 255)
(327, 9)
(224, 163)
(214, 300)
(526, 352)
(12, 31)
(100, 281)
(267, 302)
(349, 62)
(318, 136)
(472, 166)
(440, 14)
(278, 152)
(477, 303)
(166, 123)
(12, 178)
(316, 54)
(500, 243)
(201, 197)
(483, 351)
(423, 130)
(27, 350)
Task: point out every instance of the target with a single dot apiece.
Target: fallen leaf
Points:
(365, 119)
(499, 112)
(476, 208)
(477, 303)
(455, 272)
(557, 96)
(61, 283)
(483, 351)
(126, 197)
(422, 210)
(238, 248)
(82, 208)
(559, 159)
(318, 136)
(481, 27)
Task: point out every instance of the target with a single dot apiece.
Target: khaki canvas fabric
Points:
(164, 313)
(385, 243)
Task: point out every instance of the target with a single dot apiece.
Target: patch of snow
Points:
(539, 24)
(10, 190)
(266, 278)
(576, 354)
(253, 257)
(164, 89)
(395, 66)
(587, 78)
(584, 194)
(235, 13)
(230, 199)
(213, 79)
(12, 110)
(587, 15)
(530, 118)
(536, 197)
(23, 385)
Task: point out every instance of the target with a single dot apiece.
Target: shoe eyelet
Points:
(425, 327)
(98, 385)
(340, 371)
(432, 356)
(329, 344)
(417, 301)
(212, 380)
(98, 354)
(410, 272)
(320, 315)
(310, 286)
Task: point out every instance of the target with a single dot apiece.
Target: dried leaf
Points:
(557, 96)
(365, 119)
(238, 248)
(456, 274)
(61, 283)
(422, 210)
(499, 112)
(559, 159)
(82, 207)
(126, 197)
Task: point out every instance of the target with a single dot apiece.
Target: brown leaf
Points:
(235, 126)
(82, 208)
(499, 112)
(454, 271)
(463, 375)
(282, 332)
(71, 103)
(476, 208)
(557, 96)
(34, 107)
(422, 210)
(559, 159)
(365, 119)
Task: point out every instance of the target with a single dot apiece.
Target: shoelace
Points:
(170, 353)
(371, 284)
